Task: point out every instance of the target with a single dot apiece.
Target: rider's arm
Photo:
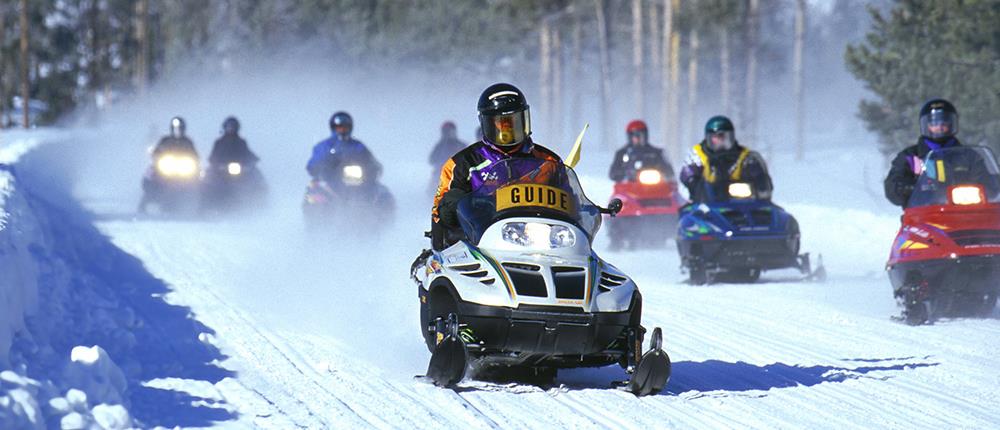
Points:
(900, 180)
(617, 172)
(691, 172)
(215, 157)
(319, 154)
(755, 170)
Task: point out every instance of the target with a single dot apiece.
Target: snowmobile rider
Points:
(446, 146)
(506, 124)
(231, 148)
(176, 141)
(332, 154)
(638, 148)
(719, 160)
(938, 127)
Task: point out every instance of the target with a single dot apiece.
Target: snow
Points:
(251, 323)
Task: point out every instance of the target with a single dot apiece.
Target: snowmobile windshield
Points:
(526, 187)
(961, 175)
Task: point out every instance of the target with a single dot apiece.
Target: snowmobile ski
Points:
(653, 371)
(450, 358)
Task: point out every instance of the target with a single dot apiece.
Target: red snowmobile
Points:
(650, 205)
(945, 261)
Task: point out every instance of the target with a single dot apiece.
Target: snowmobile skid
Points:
(525, 294)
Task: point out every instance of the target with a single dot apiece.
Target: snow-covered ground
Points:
(250, 322)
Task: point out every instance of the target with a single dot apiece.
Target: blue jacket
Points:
(332, 153)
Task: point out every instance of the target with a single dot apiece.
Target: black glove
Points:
(904, 190)
(448, 207)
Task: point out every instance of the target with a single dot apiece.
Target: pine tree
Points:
(920, 50)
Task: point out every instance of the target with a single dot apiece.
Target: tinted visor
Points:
(506, 130)
(938, 124)
(719, 140)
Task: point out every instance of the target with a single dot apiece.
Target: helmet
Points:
(503, 115)
(448, 130)
(231, 125)
(177, 127)
(938, 119)
(637, 130)
(342, 124)
(720, 134)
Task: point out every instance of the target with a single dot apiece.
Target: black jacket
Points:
(905, 169)
(624, 164)
(231, 149)
(170, 143)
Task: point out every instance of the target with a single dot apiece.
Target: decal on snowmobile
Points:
(503, 275)
(523, 195)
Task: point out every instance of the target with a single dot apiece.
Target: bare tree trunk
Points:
(750, 100)
(545, 77)
(671, 80)
(25, 85)
(3, 63)
(726, 71)
(692, 84)
(557, 86)
(576, 64)
(142, 36)
(655, 38)
(602, 42)
(797, 75)
(637, 59)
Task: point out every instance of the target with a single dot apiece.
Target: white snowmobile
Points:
(524, 290)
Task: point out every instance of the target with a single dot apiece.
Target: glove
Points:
(690, 173)
(448, 207)
(904, 190)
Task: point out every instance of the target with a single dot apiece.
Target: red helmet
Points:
(447, 125)
(636, 126)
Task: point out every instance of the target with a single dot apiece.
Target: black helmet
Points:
(938, 120)
(231, 125)
(177, 127)
(720, 134)
(503, 115)
(343, 121)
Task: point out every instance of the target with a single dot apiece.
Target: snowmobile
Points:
(232, 186)
(350, 197)
(945, 260)
(736, 234)
(171, 182)
(651, 203)
(524, 293)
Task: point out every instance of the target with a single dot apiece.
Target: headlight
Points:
(740, 190)
(177, 165)
(536, 235)
(967, 195)
(650, 177)
(353, 174)
(234, 169)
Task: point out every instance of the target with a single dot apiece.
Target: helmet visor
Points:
(638, 137)
(938, 124)
(720, 140)
(507, 130)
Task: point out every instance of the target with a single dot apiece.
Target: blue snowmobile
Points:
(736, 234)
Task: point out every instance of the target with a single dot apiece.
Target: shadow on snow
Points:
(114, 302)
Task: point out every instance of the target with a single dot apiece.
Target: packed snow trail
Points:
(322, 331)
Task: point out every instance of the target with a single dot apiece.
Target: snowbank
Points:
(39, 386)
